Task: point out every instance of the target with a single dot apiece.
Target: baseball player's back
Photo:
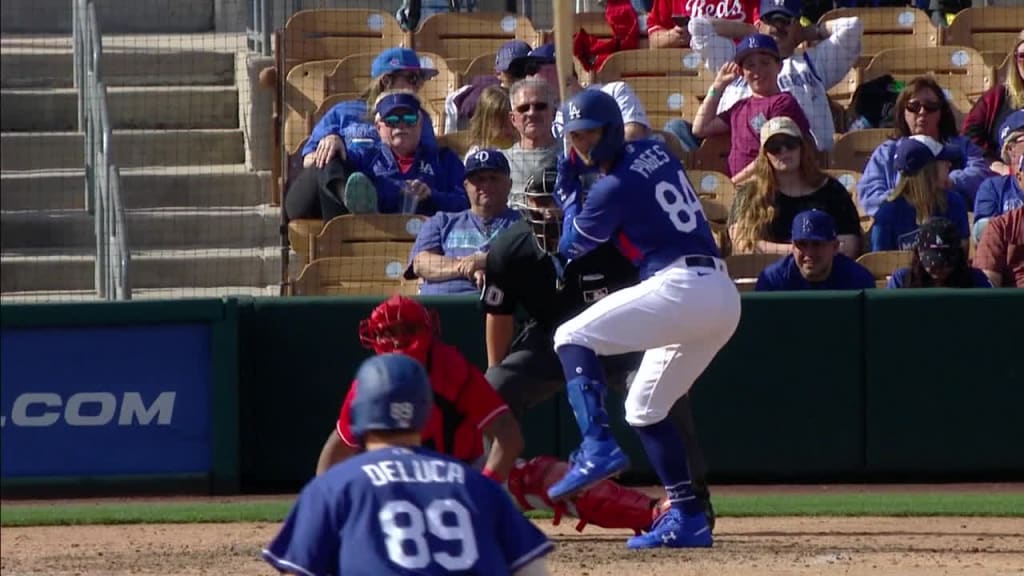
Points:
(405, 511)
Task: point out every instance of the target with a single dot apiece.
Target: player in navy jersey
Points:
(398, 508)
(682, 312)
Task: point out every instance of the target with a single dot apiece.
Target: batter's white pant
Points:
(681, 316)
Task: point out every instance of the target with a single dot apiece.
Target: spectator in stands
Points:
(460, 105)
(939, 260)
(1000, 194)
(814, 261)
(491, 125)
(920, 195)
(408, 175)
(532, 115)
(541, 64)
(922, 110)
(785, 181)
(807, 75)
(1000, 252)
(758, 62)
(666, 20)
(982, 123)
(451, 247)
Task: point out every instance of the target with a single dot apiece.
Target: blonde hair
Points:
(490, 125)
(1014, 83)
(757, 209)
(922, 191)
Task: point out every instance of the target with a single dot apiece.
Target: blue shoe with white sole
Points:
(673, 529)
(592, 462)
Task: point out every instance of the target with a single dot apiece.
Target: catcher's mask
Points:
(401, 325)
(540, 208)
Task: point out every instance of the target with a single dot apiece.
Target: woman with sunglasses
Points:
(982, 123)
(785, 180)
(939, 260)
(921, 110)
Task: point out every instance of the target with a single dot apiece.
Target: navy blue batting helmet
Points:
(593, 109)
(392, 393)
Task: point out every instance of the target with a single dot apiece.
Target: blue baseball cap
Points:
(487, 159)
(395, 59)
(391, 101)
(916, 152)
(543, 54)
(509, 52)
(755, 43)
(791, 8)
(813, 225)
(1013, 123)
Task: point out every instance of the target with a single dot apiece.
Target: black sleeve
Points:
(498, 295)
(842, 209)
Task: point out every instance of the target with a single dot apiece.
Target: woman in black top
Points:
(786, 181)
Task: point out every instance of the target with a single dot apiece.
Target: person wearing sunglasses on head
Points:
(532, 115)
(982, 123)
(807, 74)
(922, 110)
(407, 175)
(785, 181)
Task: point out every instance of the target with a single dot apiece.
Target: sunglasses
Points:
(1020, 56)
(402, 119)
(782, 142)
(915, 107)
(536, 106)
(413, 78)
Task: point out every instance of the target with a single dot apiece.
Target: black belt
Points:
(701, 262)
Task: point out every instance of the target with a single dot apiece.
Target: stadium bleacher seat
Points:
(883, 264)
(744, 268)
(300, 232)
(324, 34)
(351, 275)
(852, 149)
(889, 27)
(669, 98)
(992, 30)
(713, 154)
(400, 228)
(959, 68)
(482, 65)
(460, 37)
(662, 63)
(716, 192)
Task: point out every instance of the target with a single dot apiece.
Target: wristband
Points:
(712, 92)
(492, 475)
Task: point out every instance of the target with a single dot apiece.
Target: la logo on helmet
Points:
(574, 112)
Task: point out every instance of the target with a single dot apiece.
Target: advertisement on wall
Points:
(105, 401)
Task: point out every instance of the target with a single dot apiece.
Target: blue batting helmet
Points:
(392, 393)
(592, 109)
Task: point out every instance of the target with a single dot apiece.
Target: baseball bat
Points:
(564, 26)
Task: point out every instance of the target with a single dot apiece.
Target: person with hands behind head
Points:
(939, 260)
(758, 62)
(815, 262)
(451, 247)
(465, 405)
(400, 508)
(920, 195)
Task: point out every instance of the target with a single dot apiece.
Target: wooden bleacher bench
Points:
(883, 264)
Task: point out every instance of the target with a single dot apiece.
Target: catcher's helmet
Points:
(392, 393)
(539, 206)
(593, 109)
(400, 324)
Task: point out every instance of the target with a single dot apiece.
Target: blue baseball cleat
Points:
(673, 529)
(592, 462)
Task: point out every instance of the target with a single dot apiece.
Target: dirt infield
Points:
(743, 547)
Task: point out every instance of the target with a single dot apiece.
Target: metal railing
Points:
(102, 176)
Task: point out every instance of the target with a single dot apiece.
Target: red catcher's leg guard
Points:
(607, 504)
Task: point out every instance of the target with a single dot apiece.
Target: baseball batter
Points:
(401, 509)
(682, 312)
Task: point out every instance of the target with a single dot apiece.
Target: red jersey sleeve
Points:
(342, 426)
(477, 400)
(660, 16)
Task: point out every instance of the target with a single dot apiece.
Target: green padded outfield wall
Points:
(945, 381)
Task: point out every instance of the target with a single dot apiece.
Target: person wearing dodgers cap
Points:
(451, 247)
(921, 193)
(939, 260)
(814, 261)
(1000, 194)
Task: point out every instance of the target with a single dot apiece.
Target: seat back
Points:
(330, 275)
(482, 65)
(713, 154)
(460, 37)
(364, 228)
(954, 67)
(986, 28)
(852, 149)
(457, 142)
(665, 62)
(883, 264)
(889, 27)
(325, 34)
(307, 86)
(716, 192)
(665, 98)
(745, 268)
(300, 236)
(849, 179)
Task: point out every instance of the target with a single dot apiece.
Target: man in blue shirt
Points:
(814, 262)
(398, 508)
(451, 248)
(1000, 194)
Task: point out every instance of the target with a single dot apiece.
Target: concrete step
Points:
(131, 108)
(28, 271)
(159, 187)
(132, 148)
(168, 228)
(26, 67)
(53, 296)
(115, 16)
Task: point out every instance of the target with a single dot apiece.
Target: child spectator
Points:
(758, 62)
(939, 260)
(785, 181)
(491, 125)
(1000, 194)
(921, 194)
(1000, 252)
(814, 262)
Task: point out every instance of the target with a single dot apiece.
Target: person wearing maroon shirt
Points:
(1000, 251)
(466, 407)
(664, 32)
